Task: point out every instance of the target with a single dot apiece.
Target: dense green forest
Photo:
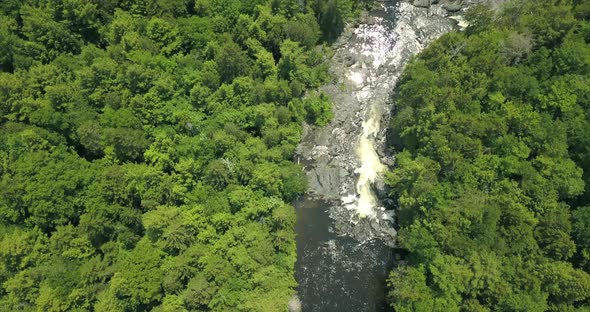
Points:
(492, 181)
(146, 150)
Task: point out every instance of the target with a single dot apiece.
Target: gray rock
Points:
(375, 225)
(324, 181)
(388, 161)
(452, 6)
(423, 3)
(390, 236)
(380, 189)
(388, 202)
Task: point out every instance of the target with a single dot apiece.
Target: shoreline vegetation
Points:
(146, 150)
(491, 135)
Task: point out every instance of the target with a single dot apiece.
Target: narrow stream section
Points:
(345, 234)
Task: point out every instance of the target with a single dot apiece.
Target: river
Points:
(345, 233)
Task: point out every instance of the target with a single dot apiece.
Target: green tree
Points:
(137, 282)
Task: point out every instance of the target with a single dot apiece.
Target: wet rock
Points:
(437, 10)
(453, 6)
(388, 203)
(424, 3)
(374, 225)
(390, 236)
(348, 60)
(380, 189)
(388, 161)
(324, 181)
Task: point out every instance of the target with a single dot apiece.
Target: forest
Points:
(492, 182)
(146, 155)
(146, 150)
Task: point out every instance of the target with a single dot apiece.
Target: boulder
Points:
(452, 6)
(380, 188)
(423, 3)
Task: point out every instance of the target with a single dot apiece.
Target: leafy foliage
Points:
(146, 150)
(492, 174)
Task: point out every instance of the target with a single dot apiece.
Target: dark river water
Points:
(336, 273)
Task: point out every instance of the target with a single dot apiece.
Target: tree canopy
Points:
(146, 150)
(492, 176)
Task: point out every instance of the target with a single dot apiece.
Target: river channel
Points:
(345, 225)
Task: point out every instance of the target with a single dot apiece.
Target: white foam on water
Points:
(461, 22)
(379, 46)
(356, 77)
(371, 166)
(376, 44)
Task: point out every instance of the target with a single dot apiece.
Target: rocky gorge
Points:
(346, 227)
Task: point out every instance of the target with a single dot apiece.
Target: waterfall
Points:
(371, 167)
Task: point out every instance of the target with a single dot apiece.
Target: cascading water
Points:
(344, 235)
(371, 167)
